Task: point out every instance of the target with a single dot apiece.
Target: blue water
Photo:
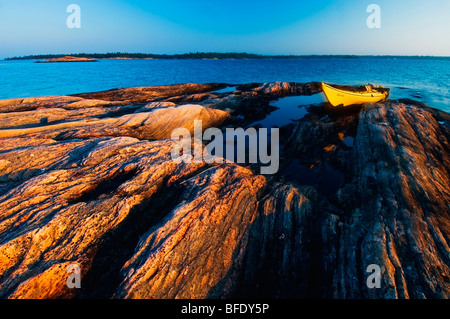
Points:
(290, 109)
(228, 89)
(425, 80)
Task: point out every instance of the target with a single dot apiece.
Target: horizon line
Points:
(236, 54)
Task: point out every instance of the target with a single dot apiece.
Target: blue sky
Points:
(408, 27)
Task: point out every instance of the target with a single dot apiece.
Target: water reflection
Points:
(290, 108)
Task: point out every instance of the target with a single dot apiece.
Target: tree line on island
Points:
(196, 55)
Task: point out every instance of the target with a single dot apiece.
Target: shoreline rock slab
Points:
(157, 124)
(399, 218)
(179, 257)
(62, 215)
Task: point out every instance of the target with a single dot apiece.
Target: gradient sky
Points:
(408, 27)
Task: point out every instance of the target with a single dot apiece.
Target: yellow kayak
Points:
(339, 96)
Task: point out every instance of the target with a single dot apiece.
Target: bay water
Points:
(422, 79)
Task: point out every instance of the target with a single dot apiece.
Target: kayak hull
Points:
(342, 97)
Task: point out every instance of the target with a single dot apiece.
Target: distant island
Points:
(121, 55)
(202, 55)
(68, 58)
